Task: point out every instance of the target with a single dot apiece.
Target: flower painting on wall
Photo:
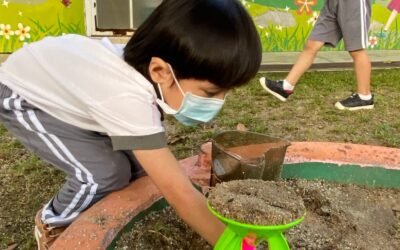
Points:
(285, 25)
(305, 6)
(24, 21)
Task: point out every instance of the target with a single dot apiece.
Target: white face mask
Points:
(194, 109)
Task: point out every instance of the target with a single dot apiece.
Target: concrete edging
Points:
(98, 226)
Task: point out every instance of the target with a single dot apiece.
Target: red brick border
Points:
(363, 155)
(97, 227)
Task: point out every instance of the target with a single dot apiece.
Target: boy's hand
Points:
(189, 203)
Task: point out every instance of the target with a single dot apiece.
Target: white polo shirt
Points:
(86, 83)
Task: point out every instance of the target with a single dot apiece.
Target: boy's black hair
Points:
(213, 40)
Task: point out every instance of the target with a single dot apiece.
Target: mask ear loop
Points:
(176, 80)
(161, 93)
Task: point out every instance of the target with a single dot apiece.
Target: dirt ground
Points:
(161, 230)
(339, 216)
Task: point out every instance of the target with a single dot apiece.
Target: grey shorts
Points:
(347, 19)
(93, 169)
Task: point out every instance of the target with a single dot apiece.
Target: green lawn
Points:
(308, 115)
(27, 183)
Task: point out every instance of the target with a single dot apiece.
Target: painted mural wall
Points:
(24, 21)
(284, 25)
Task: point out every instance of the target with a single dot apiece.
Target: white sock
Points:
(365, 97)
(287, 85)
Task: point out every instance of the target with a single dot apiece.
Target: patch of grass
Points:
(388, 133)
(27, 183)
(308, 115)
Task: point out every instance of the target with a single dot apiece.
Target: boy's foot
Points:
(275, 88)
(44, 234)
(354, 102)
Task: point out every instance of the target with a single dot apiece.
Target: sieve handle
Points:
(277, 241)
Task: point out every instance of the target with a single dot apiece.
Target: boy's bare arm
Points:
(190, 204)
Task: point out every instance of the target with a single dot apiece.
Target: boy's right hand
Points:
(174, 184)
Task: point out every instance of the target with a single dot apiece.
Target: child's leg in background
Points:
(325, 32)
(354, 19)
(93, 169)
(304, 61)
(362, 68)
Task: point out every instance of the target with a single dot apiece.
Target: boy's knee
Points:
(360, 55)
(312, 47)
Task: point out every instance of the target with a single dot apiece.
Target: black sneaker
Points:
(275, 88)
(354, 102)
